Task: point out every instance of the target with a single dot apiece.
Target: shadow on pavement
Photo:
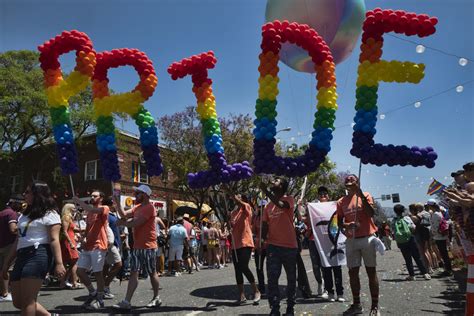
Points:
(136, 310)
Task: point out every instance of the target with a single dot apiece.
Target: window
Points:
(139, 172)
(15, 182)
(93, 170)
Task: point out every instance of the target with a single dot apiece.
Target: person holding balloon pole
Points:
(355, 213)
(279, 232)
(240, 220)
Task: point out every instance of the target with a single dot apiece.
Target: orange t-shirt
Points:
(241, 221)
(256, 232)
(144, 236)
(347, 209)
(96, 230)
(281, 231)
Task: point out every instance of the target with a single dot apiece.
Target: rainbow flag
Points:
(435, 187)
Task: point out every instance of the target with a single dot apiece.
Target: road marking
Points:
(194, 313)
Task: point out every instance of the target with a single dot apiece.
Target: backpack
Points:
(443, 228)
(402, 231)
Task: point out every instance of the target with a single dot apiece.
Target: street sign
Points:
(396, 198)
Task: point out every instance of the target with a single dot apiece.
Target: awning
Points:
(181, 207)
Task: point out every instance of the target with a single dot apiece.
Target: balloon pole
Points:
(357, 201)
(72, 185)
(260, 239)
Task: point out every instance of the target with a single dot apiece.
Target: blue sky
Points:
(170, 30)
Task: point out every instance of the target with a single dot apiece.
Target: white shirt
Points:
(34, 233)
(435, 221)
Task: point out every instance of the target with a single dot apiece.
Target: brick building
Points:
(41, 163)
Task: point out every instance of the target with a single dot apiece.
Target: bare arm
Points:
(11, 256)
(118, 207)
(368, 208)
(13, 227)
(271, 196)
(87, 207)
(65, 226)
(53, 232)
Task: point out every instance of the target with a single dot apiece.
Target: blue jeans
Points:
(276, 258)
(410, 250)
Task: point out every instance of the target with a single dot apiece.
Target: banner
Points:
(329, 240)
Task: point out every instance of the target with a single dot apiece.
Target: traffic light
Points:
(396, 198)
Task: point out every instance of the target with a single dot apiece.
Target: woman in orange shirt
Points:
(241, 223)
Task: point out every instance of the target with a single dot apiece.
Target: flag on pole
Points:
(435, 187)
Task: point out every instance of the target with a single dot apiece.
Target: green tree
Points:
(24, 112)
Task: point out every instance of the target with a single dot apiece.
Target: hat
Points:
(457, 173)
(186, 215)
(431, 202)
(179, 219)
(469, 166)
(16, 198)
(143, 188)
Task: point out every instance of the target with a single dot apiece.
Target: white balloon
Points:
(459, 89)
(462, 61)
(420, 49)
(417, 104)
(382, 116)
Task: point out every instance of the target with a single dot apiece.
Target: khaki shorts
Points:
(358, 248)
(4, 255)
(113, 256)
(92, 260)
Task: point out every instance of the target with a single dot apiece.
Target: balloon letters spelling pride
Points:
(220, 171)
(371, 71)
(131, 103)
(59, 90)
(273, 35)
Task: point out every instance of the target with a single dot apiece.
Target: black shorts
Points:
(32, 263)
(423, 233)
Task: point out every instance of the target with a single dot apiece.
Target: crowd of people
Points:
(103, 240)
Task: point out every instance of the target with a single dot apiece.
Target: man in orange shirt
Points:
(95, 248)
(279, 232)
(355, 213)
(143, 255)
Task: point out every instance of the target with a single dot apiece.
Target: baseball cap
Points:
(143, 188)
(16, 198)
(457, 173)
(179, 219)
(431, 202)
(469, 166)
(186, 215)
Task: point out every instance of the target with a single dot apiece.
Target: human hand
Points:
(59, 270)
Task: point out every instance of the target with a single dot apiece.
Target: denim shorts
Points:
(32, 263)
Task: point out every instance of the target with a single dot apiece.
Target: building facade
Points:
(40, 163)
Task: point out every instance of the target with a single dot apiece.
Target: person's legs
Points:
(406, 252)
(328, 283)
(337, 270)
(259, 260)
(239, 278)
(244, 259)
(416, 256)
(29, 293)
(274, 265)
(155, 284)
(355, 284)
(132, 286)
(302, 277)
(289, 264)
(112, 273)
(373, 285)
(16, 293)
(315, 261)
(442, 247)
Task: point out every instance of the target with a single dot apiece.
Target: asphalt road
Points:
(213, 292)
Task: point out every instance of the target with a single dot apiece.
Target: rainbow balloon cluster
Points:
(220, 171)
(273, 35)
(59, 90)
(130, 103)
(371, 71)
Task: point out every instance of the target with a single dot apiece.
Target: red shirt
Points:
(144, 235)
(7, 216)
(241, 221)
(281, 231)
(96, 230)
(350, 211)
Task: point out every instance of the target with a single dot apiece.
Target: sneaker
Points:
(374, 311)
(123, 306)
(341, 299)
(324, 295)
(431, 271)
(177, 274)
(446, 273)
(320, 289)
(354, 310)
(107, 294)
(410, 278)
(6, 298)
(156, 302)
(256, 299)
(221, 266)
(427, 276)
(95, 305)
(89, 300)
(331, 298)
